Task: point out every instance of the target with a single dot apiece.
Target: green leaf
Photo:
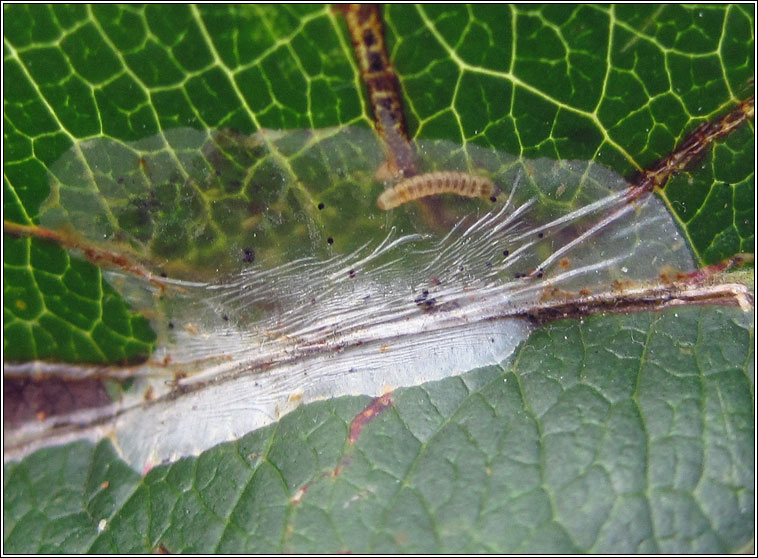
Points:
(622, 433)
(618, 434)
(52, 311)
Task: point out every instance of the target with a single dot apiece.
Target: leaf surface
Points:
(624, 432)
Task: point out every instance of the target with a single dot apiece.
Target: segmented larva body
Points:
(442, 182)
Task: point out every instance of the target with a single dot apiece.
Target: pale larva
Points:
(443, 182)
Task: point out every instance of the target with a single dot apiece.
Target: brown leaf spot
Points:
(373, 409)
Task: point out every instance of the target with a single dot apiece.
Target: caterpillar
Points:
(442, 182)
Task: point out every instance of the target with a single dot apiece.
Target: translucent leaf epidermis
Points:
(283, 282)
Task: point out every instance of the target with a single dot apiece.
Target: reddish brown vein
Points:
(693, 146)
(372, 410)
(97, 256)
(671, 288)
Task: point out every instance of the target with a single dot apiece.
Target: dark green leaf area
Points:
(638, 62)
(154, 66)
(21, 299)
(125, 109)
(23, 108)
(534, 124)
(28, 181)
(238, 50)
(89, 54)
(30, 23)
(739, 62)
(178, 31)
(615, 434)
(16, 146)
(174, 109)
(574, 135)
(67, 94)
(12, 209)
(561, 53)
(492, 96)
(59, 308)
(701, 96)
(121, 24)
(215, 101)
(484, 41)
(69, 16)
(692, 27)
